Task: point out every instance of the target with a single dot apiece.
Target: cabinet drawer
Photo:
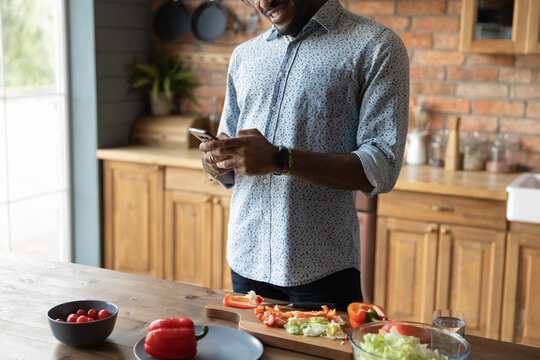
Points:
(443, 209)
(192, 180)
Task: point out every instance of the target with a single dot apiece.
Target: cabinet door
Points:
(521, 312)
(221, 273)
(477, 35)
(470, 276)
(533, 27)
(405, 265)
(188, 237)
(133, 211)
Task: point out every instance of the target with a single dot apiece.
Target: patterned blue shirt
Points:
(340, 86)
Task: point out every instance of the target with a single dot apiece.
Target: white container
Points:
(524, 199)
(416, 148)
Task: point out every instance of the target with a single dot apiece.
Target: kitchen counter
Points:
(30, 286)
(427, 179)
(186, 158)
(472, 184)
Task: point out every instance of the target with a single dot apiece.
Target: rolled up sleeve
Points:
(384, 110)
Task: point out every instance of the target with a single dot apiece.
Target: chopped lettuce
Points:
(393, 345)
(315, 326)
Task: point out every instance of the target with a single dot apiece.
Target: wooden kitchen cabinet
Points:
(521, 309)
(195, 239)
(197, 214)
(524, 24)
(188, 239)
(438, 251)
(470, 276)
(133, 213)
(405, 268)
(165, 221)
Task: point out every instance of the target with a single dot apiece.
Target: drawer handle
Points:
(441, 208)
(446, 231)
(432, 228)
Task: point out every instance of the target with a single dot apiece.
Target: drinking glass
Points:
(449, 319)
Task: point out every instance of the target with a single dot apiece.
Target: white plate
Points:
(221, 343)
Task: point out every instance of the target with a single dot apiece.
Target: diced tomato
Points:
(408, 330)
(269, 321)
(273, 316)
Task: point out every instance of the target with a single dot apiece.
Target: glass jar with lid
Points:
(502, 152)
(437, 148)
(474, 152)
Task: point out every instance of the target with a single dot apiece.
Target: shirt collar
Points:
(326, 16)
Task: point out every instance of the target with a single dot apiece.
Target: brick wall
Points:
(491, 93)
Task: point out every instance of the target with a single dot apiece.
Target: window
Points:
(33, 129)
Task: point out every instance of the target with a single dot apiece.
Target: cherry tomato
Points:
(92, 313)
(90, 319)
(61, 320)
(103, 314)
(81, 312)
(82, 319)
(72, 318)
(408, 330)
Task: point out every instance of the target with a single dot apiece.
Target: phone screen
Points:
(202, 134)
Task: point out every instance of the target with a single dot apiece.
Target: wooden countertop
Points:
(30, 286)
(428, 179)
(187, 158)
(473, 184)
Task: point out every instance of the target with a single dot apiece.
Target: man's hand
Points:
(248, 154)
(209, 161)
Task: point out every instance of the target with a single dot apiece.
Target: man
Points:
(316, 108)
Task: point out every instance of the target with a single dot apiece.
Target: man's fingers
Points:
(249, 132)
(222, 136)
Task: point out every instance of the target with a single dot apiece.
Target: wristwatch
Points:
(282, 160)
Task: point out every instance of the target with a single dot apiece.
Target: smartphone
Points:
(202, 134)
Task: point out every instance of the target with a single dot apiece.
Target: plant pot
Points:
(160, 106)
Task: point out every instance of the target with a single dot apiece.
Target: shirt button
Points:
(274, 108)
(266, 218)
(281, 74)
(265, 181)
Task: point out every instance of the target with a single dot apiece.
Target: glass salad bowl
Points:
(385, 340)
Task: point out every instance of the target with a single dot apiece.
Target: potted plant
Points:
(165, 78)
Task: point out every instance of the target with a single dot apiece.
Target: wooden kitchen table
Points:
(30, 286)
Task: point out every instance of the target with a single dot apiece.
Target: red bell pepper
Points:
(172, 338)
(362, 313)
(242, 302)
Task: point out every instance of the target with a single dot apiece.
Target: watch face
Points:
(283, 155)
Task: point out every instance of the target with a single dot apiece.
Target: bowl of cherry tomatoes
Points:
(82, 322)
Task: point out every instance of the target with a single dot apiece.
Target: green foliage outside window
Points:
(28, 33)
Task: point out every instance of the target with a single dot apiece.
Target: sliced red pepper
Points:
(172, 339)
(241, 302)
(361, 313)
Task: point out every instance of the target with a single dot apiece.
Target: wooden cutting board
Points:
(278, 337)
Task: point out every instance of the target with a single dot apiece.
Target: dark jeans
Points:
(341, 288)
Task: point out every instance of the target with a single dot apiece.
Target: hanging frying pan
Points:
(209, 20)
(171, 21)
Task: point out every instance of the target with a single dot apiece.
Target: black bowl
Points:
(82, 334)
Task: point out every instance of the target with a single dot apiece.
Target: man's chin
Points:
(284, 29)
